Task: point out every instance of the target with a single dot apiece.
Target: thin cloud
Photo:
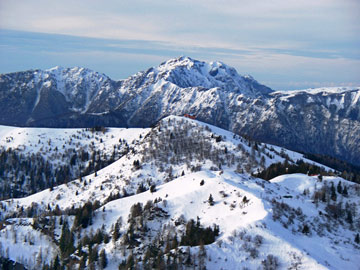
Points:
(268, 39)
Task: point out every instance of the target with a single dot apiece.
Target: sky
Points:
(285, 45)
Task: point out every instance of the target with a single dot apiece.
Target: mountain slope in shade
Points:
(281, 224)
(29, 96)
(319, 121)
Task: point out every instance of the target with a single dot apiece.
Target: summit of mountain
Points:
(324, 121)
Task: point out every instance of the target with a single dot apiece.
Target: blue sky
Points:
(283, 44)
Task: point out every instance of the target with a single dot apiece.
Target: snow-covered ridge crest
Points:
(187, 72)
(322, 90)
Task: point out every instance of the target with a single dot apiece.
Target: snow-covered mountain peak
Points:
(57, 91)
(179, 61)
(73, 73)
(186, 72)
(55, 69)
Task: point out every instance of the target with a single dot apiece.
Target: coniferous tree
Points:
(66, 242)
(152, 188)
(93, 253)
(349, 217)
(84, 215)
(306, 229)
(333, 192)
(357, 238)
(116, 232)
(188, 257)
(339, 188)
(56, 264)
(211, 200)
(160, 263)
(345, 191)
(141, 188)
(130, 263)
(103, 259)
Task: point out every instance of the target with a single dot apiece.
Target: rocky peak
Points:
(186, 72)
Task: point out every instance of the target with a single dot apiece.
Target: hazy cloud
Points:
(266, 38)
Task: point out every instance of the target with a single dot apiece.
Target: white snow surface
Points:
(46, 140)
(239, 221)
(323, 90)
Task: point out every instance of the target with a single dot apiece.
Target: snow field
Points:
(241, 220)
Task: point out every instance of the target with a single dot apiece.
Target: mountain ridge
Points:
(322, 121)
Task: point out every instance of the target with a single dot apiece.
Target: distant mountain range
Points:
(322, 121)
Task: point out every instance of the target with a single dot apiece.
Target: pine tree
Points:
(141, 188)
(103, 259)
(333, 192)
(116, 232)
(357, 238)
(82, 263)
(306, 229)
(93, 253)
(152, 188)
(160, 263)
(130, 262)
(66, 243)
(211, 200)
(56, 264)
(349, 217)
(339, 188)
(262, 162)
(345, 191)
(167, 246)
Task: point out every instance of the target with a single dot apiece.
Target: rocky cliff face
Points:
(324, 121)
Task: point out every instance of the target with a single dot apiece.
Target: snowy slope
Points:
(240, 224)
(231, 152)
(34, 140)
(261, 223)
(43, 157)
